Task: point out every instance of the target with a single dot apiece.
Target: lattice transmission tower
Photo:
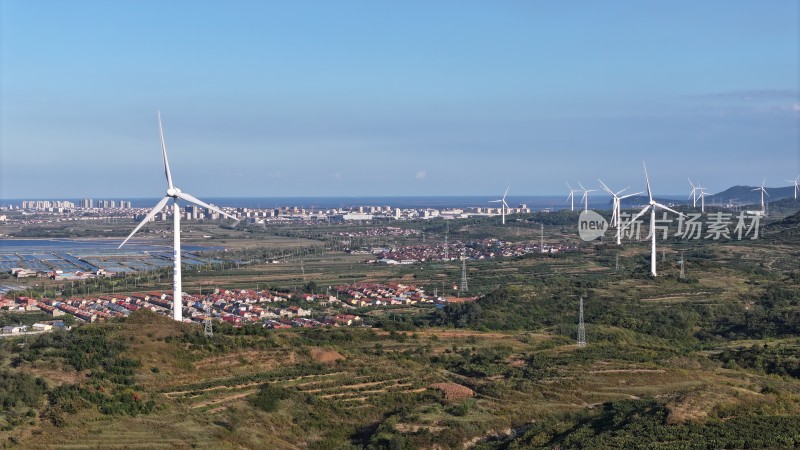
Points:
(209, 329)
(581, 327)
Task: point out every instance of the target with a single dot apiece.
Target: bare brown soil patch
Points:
(325, 356)
(453, 391)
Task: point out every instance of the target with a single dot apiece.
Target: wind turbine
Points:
(174, 194)
(652, 207)
(763, 191)
(693, 194)
(571, 196)
(796, 187)
(702, 199)
(503, 204)
(585, 197)
(615, 215)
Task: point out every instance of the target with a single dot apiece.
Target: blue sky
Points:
(395, 98)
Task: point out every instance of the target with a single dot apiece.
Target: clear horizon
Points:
(370, 99)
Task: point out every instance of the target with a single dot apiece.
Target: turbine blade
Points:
(495, 201)
(506, 193)
(641, 213)
(579, 184)
(159, 206)
(647, 179)
(570, 187)
(606, 187)
(668, 209)
(631, 195)
(570, 195)
(164, 152)
(690, 182)
(199, 202)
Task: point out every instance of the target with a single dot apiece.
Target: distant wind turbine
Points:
(615, 215)
(503, 204)
(652, 207)
(702, 199)
(763, 191)
(693, 194)
(796, 186)
(585, 197)
(174, 194)
(571, 196)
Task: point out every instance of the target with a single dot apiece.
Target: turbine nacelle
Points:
(173, 192)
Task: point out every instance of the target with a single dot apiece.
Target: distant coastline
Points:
(535, 202)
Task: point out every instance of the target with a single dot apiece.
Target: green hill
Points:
(710, 360)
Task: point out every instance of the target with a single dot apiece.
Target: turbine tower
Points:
(585, 197)
(702, 199)
(571, 196)
(463, 273)
(174, 194)
(581, 326)
(652, 207)
(796, 186)
(615, 215)
(763, 191)
(693, 194)
(446, 245)
(503, 204)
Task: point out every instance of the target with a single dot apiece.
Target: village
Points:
(237, 307)
(479, 250)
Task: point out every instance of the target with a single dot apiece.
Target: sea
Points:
(535, 202)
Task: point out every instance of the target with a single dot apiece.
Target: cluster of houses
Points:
(236, 307)
(476, 250)
(375, 294)
(379, 231)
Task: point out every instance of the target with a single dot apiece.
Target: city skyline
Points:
(362, 99)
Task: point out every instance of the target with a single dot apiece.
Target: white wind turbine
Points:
(702, 199)
(174, 194)
(693, 194)
(616, 209)
(763, 191)
(571, 196)
(652, 207)
(585, 197)
(503, 204)
(796, 186)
